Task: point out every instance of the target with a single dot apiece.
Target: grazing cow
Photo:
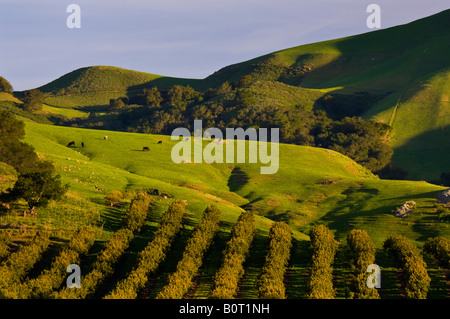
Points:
(105, 137)
(71, 144)
(82, 144)
(159, 142)
(146, 149)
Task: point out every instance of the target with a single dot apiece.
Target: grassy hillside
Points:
(97, 84)
(312, 184)
(383, 59)
(398, 76)
(406, 65)
(420, 120)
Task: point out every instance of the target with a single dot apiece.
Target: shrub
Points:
(440, 248)
(136, 213)
(271, 282)
(198, 244)
(363, 251)
(155, 252)
(227, 277)
(103, 266)
(417, 281)
(19, 263)
(114, 198)
(324, 248)
(52, 278)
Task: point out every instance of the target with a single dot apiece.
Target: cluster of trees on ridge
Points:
(334, 123)
(160, 111)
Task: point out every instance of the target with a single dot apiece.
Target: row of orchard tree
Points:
(225, 283)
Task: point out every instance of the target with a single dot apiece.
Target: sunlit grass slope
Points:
(312, 184)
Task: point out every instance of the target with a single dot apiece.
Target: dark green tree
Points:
(362, 141)
(245, 80)
(180, 96)
(37, 189)
(152, 97)
(32, 100)
(116, 104)
(14, 152)
(225, 87)
(245, 98)
(5, 86)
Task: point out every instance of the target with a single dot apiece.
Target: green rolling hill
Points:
(312, 185)
(406, 67)
(403, 71)
(398, 76)
(97, 84)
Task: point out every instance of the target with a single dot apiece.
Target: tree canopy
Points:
(32, 100)
(5, 86)
(36, 182)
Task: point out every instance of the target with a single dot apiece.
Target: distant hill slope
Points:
(95, 85)
(408, 66)
(402, 73)
(382, 59)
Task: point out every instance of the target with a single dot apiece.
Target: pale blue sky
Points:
(182, 38)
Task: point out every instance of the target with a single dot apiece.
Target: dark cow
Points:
(71, 144)
(159, 142)
(146, 149)
(82, 144)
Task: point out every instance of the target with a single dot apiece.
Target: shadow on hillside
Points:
(93, 108)
(237, 179)
(253, 264)
(367, 58)
(298, 272)
(426, 156)
(339, 105)
(352, 208)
